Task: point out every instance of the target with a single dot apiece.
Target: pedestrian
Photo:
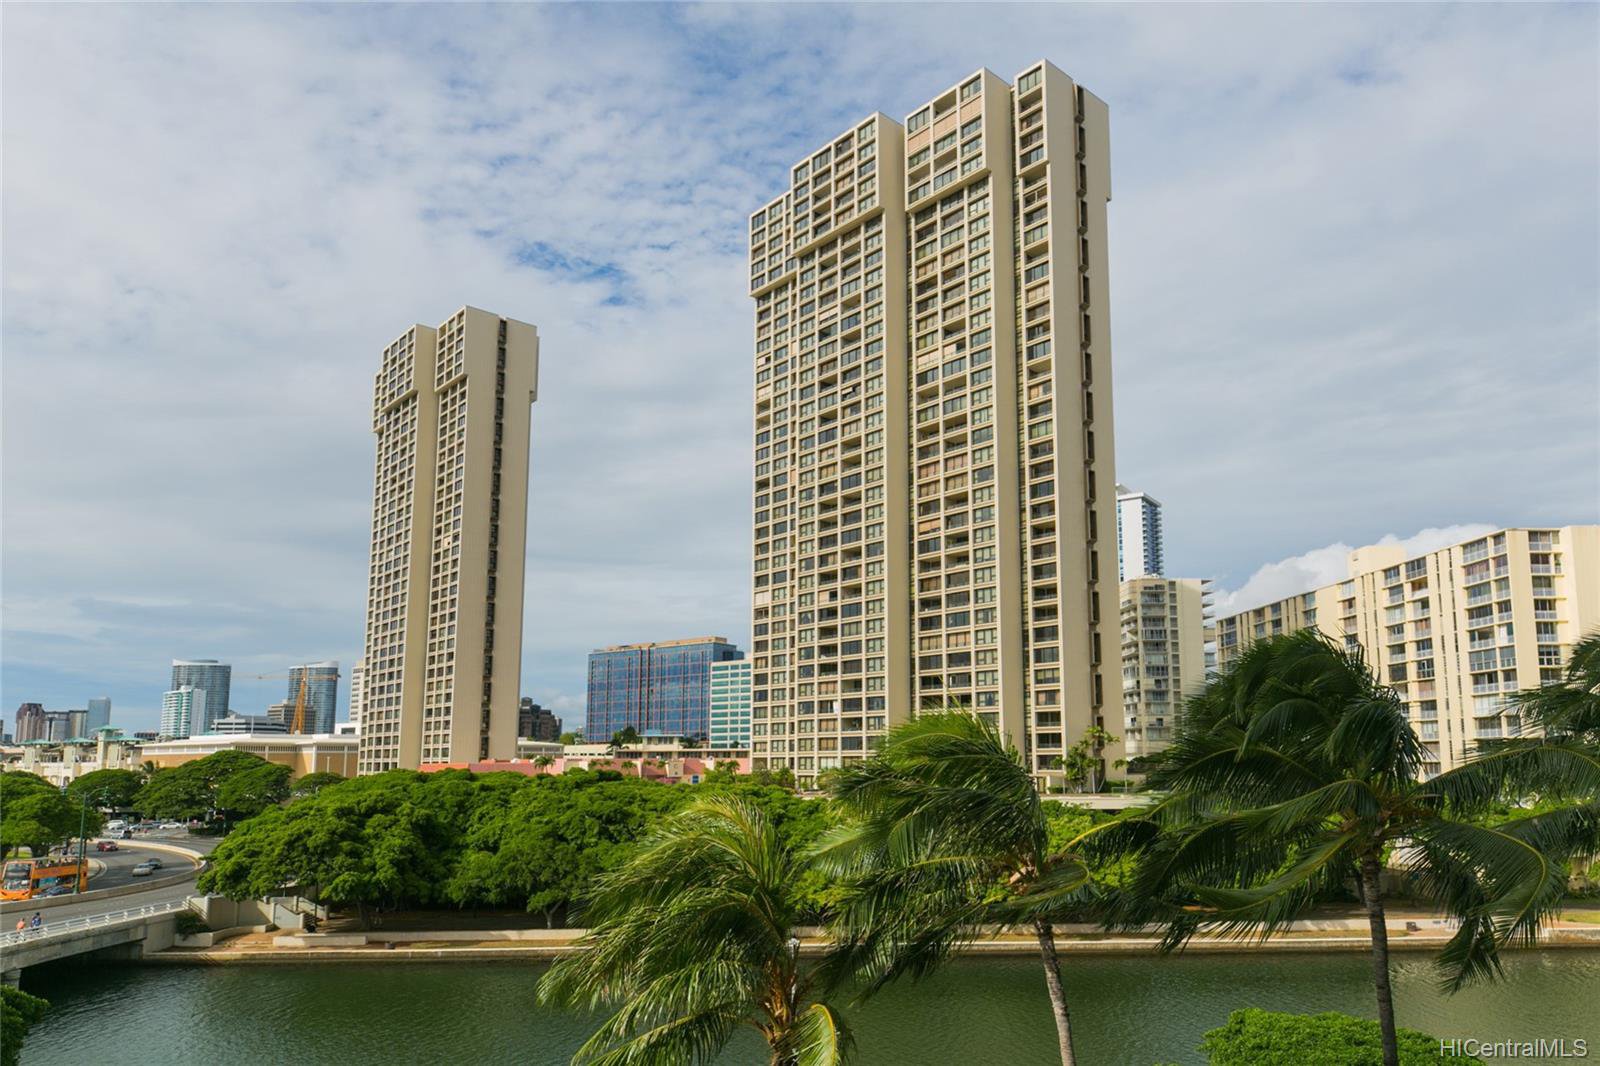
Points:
(22, 923)
(36, 921)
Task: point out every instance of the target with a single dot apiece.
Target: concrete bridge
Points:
(130, 933)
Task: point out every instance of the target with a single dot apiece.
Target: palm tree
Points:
(1568, 710)
(691, 938)
(949, 837)
(544, 761)
(1294, 772)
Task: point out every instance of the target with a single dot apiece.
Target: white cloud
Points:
(1330, 564)
(1352, 288)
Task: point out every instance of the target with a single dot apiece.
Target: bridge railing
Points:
(66, 926)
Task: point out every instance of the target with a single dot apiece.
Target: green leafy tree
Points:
(571, 738)
(1253, 1036)
(692, 938)
(35, 814)
(18, 1013)
(948, 836)
(626, 737)
(107, 788)
(1293, 772)
(194, 790)
(312, 783)
(247, 792)
(1083, 766)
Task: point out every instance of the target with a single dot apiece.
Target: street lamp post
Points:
(83, 822)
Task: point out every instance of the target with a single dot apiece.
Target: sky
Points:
(1355, 251)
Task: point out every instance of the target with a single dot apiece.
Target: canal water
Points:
(1126, 1010)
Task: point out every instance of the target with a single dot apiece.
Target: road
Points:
(119, 865)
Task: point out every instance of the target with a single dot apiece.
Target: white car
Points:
(170, 825)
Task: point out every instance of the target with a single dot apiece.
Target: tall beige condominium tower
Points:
(1163, 656)
(1453, 631)
(444, 604)
(934, 504)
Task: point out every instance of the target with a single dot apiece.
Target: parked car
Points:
(171, 825)
(127, 834)
(144, 869)
(106, 845)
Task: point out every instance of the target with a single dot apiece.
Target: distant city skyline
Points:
(1265, 355)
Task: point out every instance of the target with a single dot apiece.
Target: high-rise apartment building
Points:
(451, 411)
(322, 695)
(78, 723)
(182, 709)
(1163, 656)
(99, 714)
(730, 704)
(212, 678)
(29, 723)
(1453, 631)
(1138, 534)
(933, 512)
(536, 723)
(358, 688)
(659, 689)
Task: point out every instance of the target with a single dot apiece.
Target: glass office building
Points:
(322, 695)
(730, 704)
(659, 689)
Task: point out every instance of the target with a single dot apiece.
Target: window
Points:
(917, 121)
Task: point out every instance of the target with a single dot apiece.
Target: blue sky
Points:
(1354, 264)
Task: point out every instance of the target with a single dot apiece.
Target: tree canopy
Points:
(107, 788)
(454, 838)
(224, 786)
(36, 814)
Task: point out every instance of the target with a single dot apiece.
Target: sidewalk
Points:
(544, 944)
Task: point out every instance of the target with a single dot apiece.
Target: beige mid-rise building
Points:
(934, 502)
(1454, 631)
(443, 658)
(1163, 656)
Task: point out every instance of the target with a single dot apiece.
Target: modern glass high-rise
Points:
(181, 711)
(1138, 534)
(212, 678)
(659, 689)
(99, 714)
(322, 695)
(451, 411)
(730, 704)
(932, 504)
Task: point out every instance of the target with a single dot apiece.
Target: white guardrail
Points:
(65, 926)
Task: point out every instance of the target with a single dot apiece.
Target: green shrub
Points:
(189, 923)
(1256, 1037)
(18, 1012)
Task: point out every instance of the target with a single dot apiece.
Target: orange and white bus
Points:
(35, 878)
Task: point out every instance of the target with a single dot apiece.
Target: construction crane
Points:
(298, 725)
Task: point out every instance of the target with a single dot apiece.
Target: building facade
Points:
(322, 695)
(208, 676)
(1138, 534)
(730, 704)
(658, 689)
(536, 723)
(451, 412)
(1453, 631)
(29, 723)
(78, 723)
(358, 674)
(99, 715)
(183, 711)
(248, 723)
(1163, 656)
(57, 726)
(932, 506)
(303, 753)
